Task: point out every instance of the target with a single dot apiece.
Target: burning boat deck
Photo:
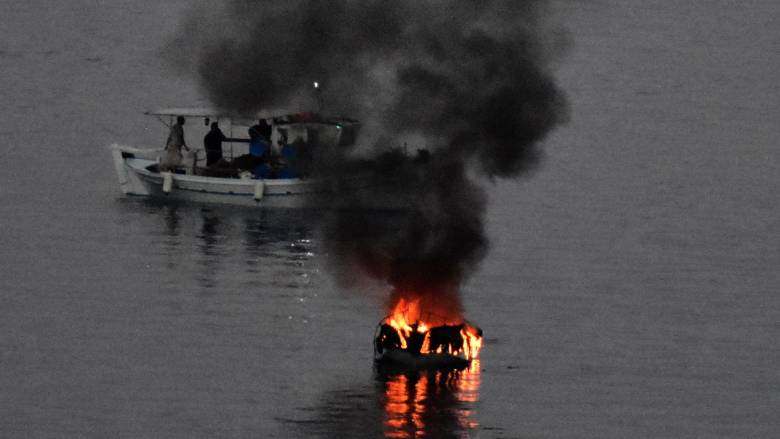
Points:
(419, 345)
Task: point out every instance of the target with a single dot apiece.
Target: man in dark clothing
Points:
(262, 128)
(213, 144)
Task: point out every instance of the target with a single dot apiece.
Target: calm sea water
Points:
(631, 289)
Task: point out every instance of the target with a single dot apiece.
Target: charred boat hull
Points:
(401, 359)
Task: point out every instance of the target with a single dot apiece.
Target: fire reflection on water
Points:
(430, 403)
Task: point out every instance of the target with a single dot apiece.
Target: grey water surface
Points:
(631, 289)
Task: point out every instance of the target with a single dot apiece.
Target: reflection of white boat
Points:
(285, 185)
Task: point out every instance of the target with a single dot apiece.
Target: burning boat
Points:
(410, 338)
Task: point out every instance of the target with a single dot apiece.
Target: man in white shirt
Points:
(174, 144)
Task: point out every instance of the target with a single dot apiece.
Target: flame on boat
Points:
(409, 328)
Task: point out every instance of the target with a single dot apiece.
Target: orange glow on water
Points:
(431, 403)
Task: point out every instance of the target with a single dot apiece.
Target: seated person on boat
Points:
(257, 161)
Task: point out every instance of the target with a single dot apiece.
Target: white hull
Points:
(136, 179)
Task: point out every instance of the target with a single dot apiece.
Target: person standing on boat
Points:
(174, 144)
(260, 148)
(213, 144)
(260, 139)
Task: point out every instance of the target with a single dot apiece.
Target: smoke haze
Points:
(467, 80)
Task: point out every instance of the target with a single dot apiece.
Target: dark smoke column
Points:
(468, 80)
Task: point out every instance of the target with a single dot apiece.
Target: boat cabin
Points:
(294, 140)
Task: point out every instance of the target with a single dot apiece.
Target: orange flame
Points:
(407, 317)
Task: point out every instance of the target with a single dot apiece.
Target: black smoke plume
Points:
(467, 80)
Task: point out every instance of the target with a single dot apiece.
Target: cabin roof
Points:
(213, 112)
(279, 115)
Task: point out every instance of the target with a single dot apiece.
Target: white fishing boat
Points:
(283, 181)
